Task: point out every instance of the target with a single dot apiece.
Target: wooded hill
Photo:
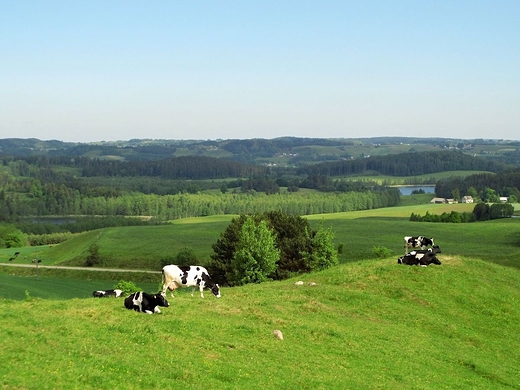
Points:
(280, 152)
(43, 179)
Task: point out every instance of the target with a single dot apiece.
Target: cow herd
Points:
(178, 276)
(173, 277)
(422, 256)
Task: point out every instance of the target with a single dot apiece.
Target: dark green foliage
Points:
(186, 256)
(261, 185)
(501, 210)
(302, 249)
(405, 164)
(505, 184)
(481, 211)
(93, 257)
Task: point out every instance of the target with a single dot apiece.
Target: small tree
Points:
(186, 256)
(11, 237)
(323, 254)
(93, 256)
(256, 254)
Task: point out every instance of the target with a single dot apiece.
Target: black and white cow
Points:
(422, 258)
(176, 276)
(417, 242)
(146, 303)
(107, 293)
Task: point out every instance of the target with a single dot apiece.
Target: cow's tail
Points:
(163, 290)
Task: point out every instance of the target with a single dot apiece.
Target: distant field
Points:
(358, 232)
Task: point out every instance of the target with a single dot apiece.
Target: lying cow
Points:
(417, 242)
(146, 303)
(107, 293)
(422, 258)
(434, 249)
(175, 276)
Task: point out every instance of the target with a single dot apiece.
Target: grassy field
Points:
(359, 232)
(368, 324)
(364, 325)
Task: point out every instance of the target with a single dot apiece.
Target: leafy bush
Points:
(11, 237)
(93, 258)
(382, 251)
(127, 287)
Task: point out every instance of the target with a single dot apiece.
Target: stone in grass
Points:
(278, 334)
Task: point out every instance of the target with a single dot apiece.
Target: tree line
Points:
(68, 202)
(481, 212)
(406, 164)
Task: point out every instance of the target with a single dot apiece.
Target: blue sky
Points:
(89, 71)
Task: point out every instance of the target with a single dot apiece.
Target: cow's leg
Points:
(201, 289)
(192, 290)
(172, 287)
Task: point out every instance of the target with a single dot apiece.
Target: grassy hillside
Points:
(370, 324)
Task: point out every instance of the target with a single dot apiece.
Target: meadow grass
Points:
(147, 247)
(364, 325)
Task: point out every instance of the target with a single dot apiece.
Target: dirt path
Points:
(78, 268)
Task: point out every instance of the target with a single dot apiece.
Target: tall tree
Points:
(256, 253)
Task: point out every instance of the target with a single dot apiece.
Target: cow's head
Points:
(435, 249)
(161, 299)
(430, 258)
(215, 290)
(435, 260)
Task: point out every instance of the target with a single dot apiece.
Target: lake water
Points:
(407, 190)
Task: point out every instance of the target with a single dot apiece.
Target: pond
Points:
(407, 190)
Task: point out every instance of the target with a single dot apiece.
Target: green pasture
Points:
(364, 325)
(37, 285)
(147, 247)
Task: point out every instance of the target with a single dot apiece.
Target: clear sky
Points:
(117, 70)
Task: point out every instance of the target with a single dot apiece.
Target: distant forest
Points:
(134, 178)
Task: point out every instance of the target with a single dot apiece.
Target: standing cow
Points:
(417, 242)
(146, 303)
(176, 276)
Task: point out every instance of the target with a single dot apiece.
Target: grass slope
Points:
(370, 324)
(147, 247)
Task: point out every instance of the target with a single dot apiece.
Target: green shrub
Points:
(382, 251)
(127, 287)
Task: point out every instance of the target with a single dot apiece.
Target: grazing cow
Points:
(11, 259)
(146, 303)
(417, 242)
(107, 293)
(188, 276)
(421, 258)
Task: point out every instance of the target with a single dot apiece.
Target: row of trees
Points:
(406, 164)
(481, 212)
(486, 186)
(66, 202)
